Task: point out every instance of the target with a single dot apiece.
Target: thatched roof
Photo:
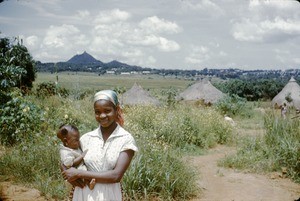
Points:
(138, 96)
(291, 89)
(202, 90)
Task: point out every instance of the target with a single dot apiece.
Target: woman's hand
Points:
(70, 174)
(78, 182)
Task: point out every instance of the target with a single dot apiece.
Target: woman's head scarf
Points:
(111, 96)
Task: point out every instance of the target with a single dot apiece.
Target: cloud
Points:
(156, 25)
(83, 14)
(64, 36)
(198, 55)
(274, 30)
(111, 16)
(126, 34)
(32, 42)
(207, 7)
(268, 21)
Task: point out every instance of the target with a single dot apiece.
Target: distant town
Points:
(87, 63)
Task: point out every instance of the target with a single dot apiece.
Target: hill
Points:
(84, 58)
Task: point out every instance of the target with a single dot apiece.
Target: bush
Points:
(20, 120)
(46, 89)
(232, 105)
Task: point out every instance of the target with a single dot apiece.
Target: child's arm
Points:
(79, 159)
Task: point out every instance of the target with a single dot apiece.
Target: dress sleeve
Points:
(129, 144)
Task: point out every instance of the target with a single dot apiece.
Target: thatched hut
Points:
(138, 96)
(202, 90)
(290, 91)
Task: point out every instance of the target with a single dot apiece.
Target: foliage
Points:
(20, 120)
(171, 94)
(252, 90)
(36, 163)
(158, 169)
(13, 54)
(46, 89)
(180, 126)
(158, 172)
(232, 105)
(278, 148)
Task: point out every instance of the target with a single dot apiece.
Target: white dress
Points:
(103, 157)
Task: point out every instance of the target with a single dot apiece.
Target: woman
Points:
(111, 149)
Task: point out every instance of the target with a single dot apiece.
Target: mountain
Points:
(84, 58)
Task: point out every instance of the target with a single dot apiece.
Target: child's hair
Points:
(64, 130)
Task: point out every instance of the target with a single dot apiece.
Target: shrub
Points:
(46, 89)
(232, 105)
(20, 120)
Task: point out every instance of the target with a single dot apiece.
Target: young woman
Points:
(111, 149)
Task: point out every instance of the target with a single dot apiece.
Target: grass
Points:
(276, 148)
(92, 81)
(164, 135)
(158, 169)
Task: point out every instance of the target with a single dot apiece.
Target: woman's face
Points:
(105, 113)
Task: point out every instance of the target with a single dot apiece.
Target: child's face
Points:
(72, 139)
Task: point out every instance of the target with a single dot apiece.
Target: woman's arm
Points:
(110, 176)
(79, 159)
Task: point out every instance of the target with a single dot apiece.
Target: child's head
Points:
(69, 135)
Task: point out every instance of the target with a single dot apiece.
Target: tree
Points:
(14, 57)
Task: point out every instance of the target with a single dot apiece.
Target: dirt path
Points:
(220, 184)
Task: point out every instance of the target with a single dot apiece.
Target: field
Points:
(187, 151)
(92, 81)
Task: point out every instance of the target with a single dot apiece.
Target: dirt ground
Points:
(220, 184)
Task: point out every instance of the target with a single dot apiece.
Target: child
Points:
(70, 153)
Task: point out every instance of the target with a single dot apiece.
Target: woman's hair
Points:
(64, 130)
(111, 96)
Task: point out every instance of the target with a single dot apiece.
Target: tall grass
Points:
(158, 169)
(278, 148)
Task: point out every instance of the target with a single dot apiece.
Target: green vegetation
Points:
(158, 169)
(277, 149)
(164, 136)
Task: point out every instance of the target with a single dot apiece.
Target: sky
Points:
(161, 34)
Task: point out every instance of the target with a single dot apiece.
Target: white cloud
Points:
(296, 60)
(111, 16)
(83, 14)
(277, 4)
(61, 36)
(156, 25)
(268, 30)
(207, 7)
(167, 45)
(32, 42)
(198, 55)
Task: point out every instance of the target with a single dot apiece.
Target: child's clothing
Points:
(68, 155)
